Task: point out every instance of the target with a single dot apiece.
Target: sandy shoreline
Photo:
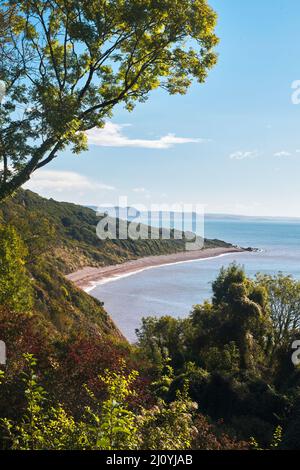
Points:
(88, 277)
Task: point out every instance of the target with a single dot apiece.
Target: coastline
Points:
(89, 277)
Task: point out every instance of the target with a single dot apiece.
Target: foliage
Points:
(211, 437)
(112, 426)
(39, 428)
(182, 363)
(225, 359)
(67, 64)
(44, 426)
(109, 425)
(54, 250)
(284, 304)
(234, 351)
(162, 339)
(15, 289)
(225, 350)
(168, 427)
(50, 230)
(274, 445)
(161, 386)
(244, 306)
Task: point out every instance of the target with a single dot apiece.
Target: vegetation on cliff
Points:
(222, 378)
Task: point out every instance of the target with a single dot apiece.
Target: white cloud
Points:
(282, 153)
(143, 192)
(242, 155)
(139, 190)
(112, 136)
(60, 181)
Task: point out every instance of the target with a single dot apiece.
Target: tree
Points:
(163, 338)
(243, 305)
(168, 426)
(68, 63)
(41, 427)
(15, 290)
(106, 425)
(6, 19)
(284, 303)
(113, 426)
(212, 437)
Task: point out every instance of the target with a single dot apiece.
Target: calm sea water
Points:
(174, 289)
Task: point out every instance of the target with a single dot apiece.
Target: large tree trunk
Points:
(37, 161)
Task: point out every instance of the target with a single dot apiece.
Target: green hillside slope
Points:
(70, 231)
(61, 238)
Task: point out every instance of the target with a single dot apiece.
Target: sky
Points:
(231, 145)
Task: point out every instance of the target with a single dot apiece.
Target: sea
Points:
(174, 289)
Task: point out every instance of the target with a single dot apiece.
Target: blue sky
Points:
(237, 137)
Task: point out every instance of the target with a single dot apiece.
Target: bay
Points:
(174, 289)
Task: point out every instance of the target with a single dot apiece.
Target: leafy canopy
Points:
(15, 289)
(67, 63)
(109, 425)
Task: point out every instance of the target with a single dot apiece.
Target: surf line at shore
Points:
(117, 277)
(89, 278)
